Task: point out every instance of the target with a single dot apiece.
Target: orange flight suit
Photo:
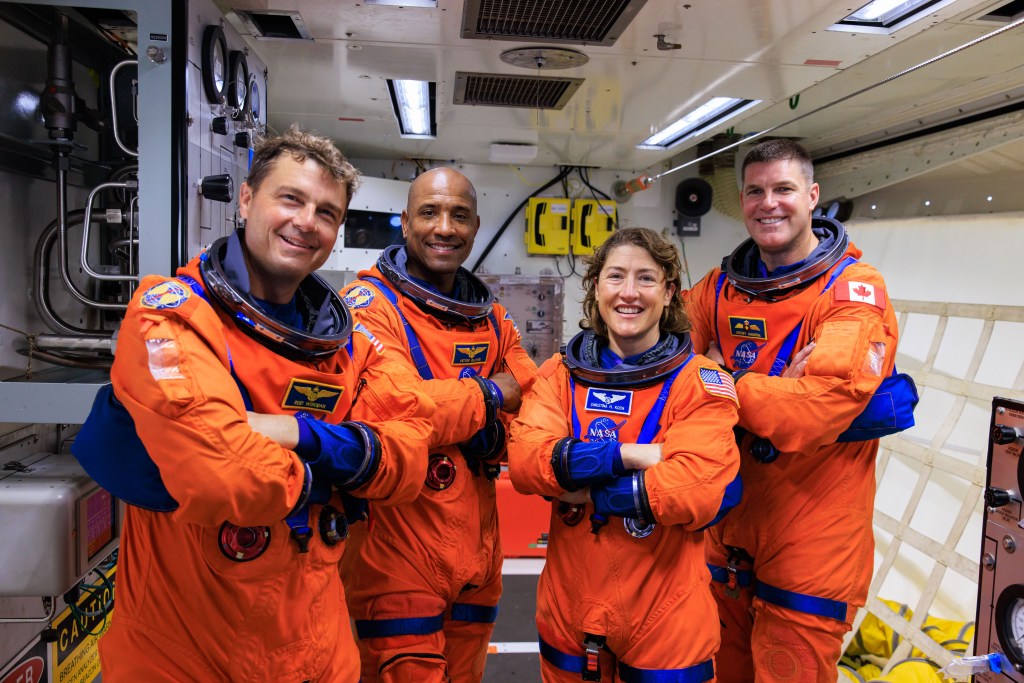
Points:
(647, 596)
(424, 579)
(805, 518)
(186, 609)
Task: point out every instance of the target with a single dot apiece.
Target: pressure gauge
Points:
(215, 64)
(238, 85)
(1010, 624)
(255, 104)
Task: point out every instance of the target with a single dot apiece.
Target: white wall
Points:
(961, 259)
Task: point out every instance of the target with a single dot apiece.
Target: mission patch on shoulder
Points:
(167, 294)
(359, 297)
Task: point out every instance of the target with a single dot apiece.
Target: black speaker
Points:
(693, 197)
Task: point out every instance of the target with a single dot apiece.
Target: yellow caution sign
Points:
(74, 655)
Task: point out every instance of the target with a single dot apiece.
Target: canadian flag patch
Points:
(861, 292)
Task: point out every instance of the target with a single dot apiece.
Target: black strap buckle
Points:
(301, 536)
(735, 556)
(592, 645)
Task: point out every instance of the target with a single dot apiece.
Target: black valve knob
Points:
(997, 498)
(219, 125)
(243, 139)
(333, 526)
(1004, 434)
(219, 188)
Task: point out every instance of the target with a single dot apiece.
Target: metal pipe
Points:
(65, 271)
(41, 291)
(113, 106)
(49, 604)
(60, 342)
(128, 185)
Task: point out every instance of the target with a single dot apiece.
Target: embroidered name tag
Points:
(609, 401)
(471, 354)
(306, 395)
(748, 328)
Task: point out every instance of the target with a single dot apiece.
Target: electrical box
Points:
(1000, 618)
(57, 525)
(535, 304)
(593, 221)
(547, 225)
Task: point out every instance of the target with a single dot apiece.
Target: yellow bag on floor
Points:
(910, 671)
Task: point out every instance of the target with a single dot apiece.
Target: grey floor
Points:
(515, 625)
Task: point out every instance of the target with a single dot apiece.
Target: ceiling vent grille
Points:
(579, 22)
(274, 24)
(502, 90)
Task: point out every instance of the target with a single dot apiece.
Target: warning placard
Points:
(74, 656)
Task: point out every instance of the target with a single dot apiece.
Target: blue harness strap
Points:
(411, 626)
(415, 350)
(574, 664)
(421, 626)
(744, 577)
(798, 602)
(481, 614)
(698, 673)
(801, 602)
(786, 352)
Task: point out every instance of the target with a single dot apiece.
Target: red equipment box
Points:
(522, 520)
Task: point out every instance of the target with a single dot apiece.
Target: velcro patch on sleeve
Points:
(718, 383)
(860, 292)
(363, 330)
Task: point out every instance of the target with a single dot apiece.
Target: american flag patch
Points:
(718, 383)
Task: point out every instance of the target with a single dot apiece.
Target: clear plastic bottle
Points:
(979, 664)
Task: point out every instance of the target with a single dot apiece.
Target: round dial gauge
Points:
(255, 106)
(215, 64)
(238, 85)
(1010, 623)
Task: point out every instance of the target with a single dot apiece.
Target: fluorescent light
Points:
(887, 16)
(712, 112)
(414, 107)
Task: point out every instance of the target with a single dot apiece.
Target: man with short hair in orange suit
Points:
(793, 561)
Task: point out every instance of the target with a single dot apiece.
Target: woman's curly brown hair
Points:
(664, 253)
